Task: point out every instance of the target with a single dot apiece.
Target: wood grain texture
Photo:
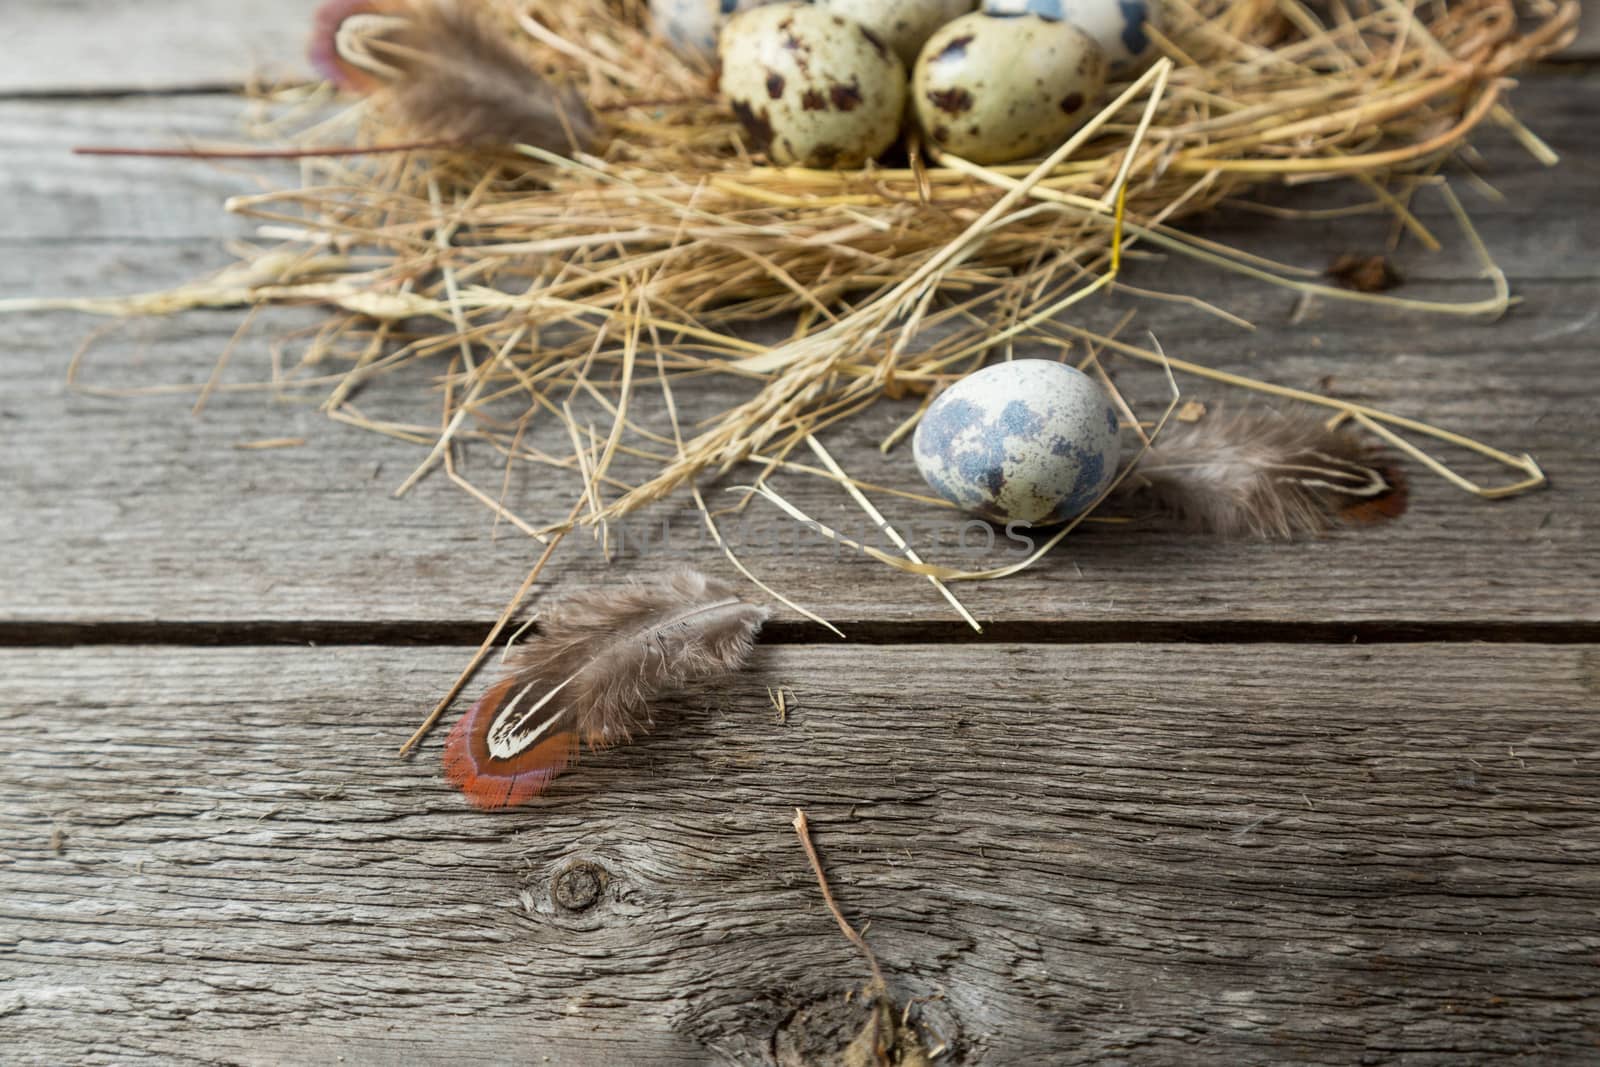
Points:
(1156, 854)
(1082, 853)
(87, 46)
(136, 511)
(1539, 226)
(60, 197)
(132, 511)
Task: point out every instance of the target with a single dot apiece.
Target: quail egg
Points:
(1026, 441)
(812, 88)
(1117, 25)
(692, 25)
(997, 89)
(902, 24)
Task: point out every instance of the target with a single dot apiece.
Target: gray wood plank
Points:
(1542, 223)
(1152, 855)
(89, 46)
(96, 46)
(62, 197)
(132, 511)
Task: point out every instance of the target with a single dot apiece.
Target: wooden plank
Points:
(1541, 225)
(1156, 854)
(157, 45)
(61, 197)
(83, 47)
(134, 512)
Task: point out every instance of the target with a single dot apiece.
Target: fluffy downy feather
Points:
(600, 658)
(445, 69)
(1257, 474)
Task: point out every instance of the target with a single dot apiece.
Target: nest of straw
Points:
(542, 278)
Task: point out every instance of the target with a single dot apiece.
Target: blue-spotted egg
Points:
(1117, 25)
(1026, 441)
(901, 24)
(993, 89)
(692, 25)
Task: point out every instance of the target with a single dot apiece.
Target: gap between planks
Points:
(448, 632)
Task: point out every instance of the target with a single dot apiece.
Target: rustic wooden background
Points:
(1183, 803)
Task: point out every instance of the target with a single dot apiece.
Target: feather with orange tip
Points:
(447, 70)
(600, 658)
(1259, 474)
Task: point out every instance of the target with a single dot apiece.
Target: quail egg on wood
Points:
(994, 89)
(812, 88)
(902, 24)
(1026, 441)
(1117, 25)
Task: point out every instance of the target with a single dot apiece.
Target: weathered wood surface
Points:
(193, 529)
(223, 536)
(88, 46)
(1089, 851)
(1538, 228)
(1229, 855)
(100, 46)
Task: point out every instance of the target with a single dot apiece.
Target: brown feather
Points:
(445, 69)
(600, 658)
(1259, 474)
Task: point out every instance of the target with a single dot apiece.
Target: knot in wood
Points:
(578, 886)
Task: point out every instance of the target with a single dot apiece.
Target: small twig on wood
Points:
(488, 642)
(780, 702)
(803, 831)
(264, 153)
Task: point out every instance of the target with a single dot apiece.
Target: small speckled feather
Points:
(1264, 475)
(589, 676)
(443, 68)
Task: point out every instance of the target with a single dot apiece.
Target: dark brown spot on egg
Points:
(795, 44)
(813, 100)
(873, 40)
(1071, 102)
(774, 85)
(845, 97)
(950, 101)
(941, 133)
(757, 125)
(956, 49)
(825, 156)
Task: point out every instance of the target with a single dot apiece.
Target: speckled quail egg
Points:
(812, 88)
(1025, 441)
(901, 24)
(692, 25)
(993, 89)
(1117, 25)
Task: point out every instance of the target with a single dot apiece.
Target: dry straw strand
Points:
(546, 277)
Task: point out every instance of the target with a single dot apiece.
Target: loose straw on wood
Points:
(545, 277)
